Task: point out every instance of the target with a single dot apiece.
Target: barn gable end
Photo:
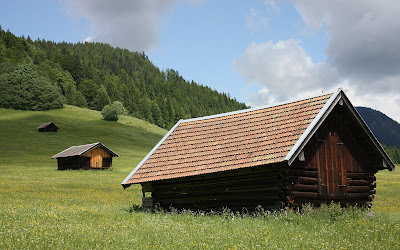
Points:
(314, 150)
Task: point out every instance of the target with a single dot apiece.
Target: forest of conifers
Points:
(93, 75)
(43, 75)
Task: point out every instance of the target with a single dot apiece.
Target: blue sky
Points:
(260, 52)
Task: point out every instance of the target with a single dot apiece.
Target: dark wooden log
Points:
(358, 189)
(223, 175)
(266, 177)
(207, 188)
(266, 201)
(304, 180)
(303, 188)
(222, 192)
(221, 197)
(305, 173)
(359, 175)
(304, 195)
(358, 183)
(372, 191)
(360, 196)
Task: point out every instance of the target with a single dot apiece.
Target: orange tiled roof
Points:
(227, 142)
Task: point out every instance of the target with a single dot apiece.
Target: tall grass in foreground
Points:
(54, 226)
(42, 208)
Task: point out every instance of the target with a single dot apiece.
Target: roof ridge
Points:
(251, 109)
(85, 144)
(89, 145)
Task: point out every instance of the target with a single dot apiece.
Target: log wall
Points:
(236, 189)
(69, 163)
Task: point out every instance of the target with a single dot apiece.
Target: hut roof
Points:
(46, 124)
(240, 139)
(81, 150)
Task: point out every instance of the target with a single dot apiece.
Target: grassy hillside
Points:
(29, 175)
(41, 207)
(129, 137)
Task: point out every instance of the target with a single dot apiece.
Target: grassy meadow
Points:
(41, 207)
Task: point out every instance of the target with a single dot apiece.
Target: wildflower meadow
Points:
(43, 208)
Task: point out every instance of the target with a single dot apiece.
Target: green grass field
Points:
(41, 207)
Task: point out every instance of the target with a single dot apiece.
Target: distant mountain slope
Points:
(386, 130)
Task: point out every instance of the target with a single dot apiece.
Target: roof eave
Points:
(312, 128)
(149, 154)
(99, 144)
(93, 145)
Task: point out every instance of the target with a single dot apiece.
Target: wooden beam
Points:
(358, 189)
(305, 173)
(303, 188)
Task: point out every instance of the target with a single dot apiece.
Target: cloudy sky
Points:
(260, 52)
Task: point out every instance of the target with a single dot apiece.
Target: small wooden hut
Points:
(89, 156)
(315, 151)
(48, 127)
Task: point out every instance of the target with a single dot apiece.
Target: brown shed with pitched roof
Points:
(48, 127)
(89, 156)
(315, 150)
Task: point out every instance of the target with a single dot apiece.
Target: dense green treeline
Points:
(94, 75)
(393, 152)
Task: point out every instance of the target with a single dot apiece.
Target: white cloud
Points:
(131, 24)
(283, 71)
(256, 21)
(363, 38)
(364, 47)
(363, 56)
(89, 39)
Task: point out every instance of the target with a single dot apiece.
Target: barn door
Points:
(332, 170)
(96, 160)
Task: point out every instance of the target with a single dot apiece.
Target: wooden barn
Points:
(89, 156)
(315, 150)
(48, 127)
